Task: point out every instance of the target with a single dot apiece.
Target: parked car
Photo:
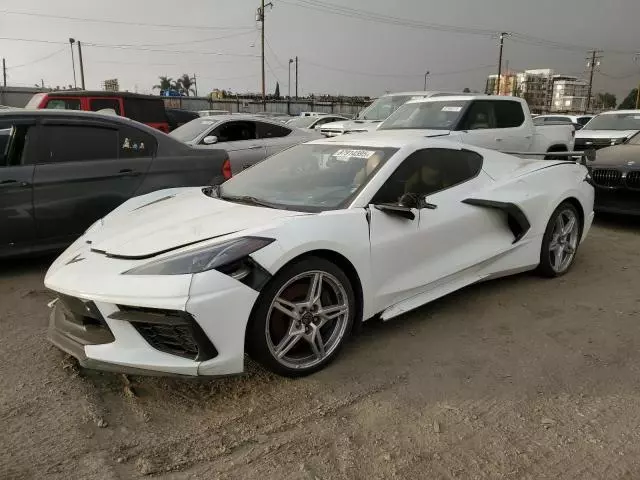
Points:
(275, 116)
(369, 119)
(541, 121)
(212, 113)
(284, 260)
(247, 139)
(178, 117)
(608, 128)
(581, 120)
(60, 171)
(314, 122)
(488, 121)
(616, 175)
(312, 114)
(147, 109)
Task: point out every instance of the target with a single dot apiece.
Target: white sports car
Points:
(283, 260)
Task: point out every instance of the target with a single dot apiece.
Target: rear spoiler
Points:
(589, 155)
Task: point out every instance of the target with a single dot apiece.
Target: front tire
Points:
(560, 241)
(302, 318)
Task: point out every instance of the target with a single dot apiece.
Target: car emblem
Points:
(588, 143)
(76, 259)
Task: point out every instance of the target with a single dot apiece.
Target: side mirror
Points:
(210, 140)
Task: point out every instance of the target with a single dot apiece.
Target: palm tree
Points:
(165, 83)
(186, 83)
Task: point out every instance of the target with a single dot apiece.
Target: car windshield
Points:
(615, 121)
(383, 107)
(193, 129)
(302, 122)
(307, 177)
(432, 115)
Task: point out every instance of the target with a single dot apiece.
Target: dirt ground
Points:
(521, 378)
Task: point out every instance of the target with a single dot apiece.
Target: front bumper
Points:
(617, 201)
(159, 325)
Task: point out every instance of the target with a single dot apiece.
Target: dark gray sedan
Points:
(60, 171)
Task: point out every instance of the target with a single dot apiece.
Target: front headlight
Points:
(204, 258)
(618, 141)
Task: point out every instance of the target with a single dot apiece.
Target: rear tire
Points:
(560, 241)
(302, 318)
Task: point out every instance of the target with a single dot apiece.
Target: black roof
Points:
(98, 93)
(76, 115)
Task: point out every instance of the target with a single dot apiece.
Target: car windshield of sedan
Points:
(193, 129)
(433, 115)
(308, 177)
(383, 107)
(302, 122)
(615, 121)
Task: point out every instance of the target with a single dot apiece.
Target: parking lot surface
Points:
(517, 378)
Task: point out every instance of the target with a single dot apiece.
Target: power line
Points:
(201, 40)
(142, 49)
(120, 22)
(38, 59)
(394, 75)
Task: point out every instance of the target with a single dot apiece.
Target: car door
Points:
(82, 173)
(412, 256)
(240, 139)
(479, 127)
(17, 143)
(274, 137)
(513, 133)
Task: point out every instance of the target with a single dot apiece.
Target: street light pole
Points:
(290, 62)
(73, 62)
(81, 65)
(260, 18)
(502, 36)
(425, 80)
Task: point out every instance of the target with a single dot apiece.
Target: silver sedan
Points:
(247, 139)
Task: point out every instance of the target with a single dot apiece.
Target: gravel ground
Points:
(515, 378)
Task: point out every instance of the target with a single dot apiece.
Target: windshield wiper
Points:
(250, 200)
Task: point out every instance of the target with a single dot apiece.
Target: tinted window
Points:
(71, 143)
(235, 131)
(508, 114)
(145, 110)
(583, 120)
(481, 115)
(64, 104)
(557, 120)
(135, 143)
(428, 171)
(267, 130)
(96, 104)
(13, 140)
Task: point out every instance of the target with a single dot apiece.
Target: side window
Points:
(13, 142)
(64, 104)
(480, 116)
(428, 171)
(235, 131)
(97, 104)
(134, 143)
(268, 130)
(508, 114)
(145, 110)
(73, 143)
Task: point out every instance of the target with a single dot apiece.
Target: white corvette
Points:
(283, 260)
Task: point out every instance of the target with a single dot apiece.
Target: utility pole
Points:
(592, 63)
(260, 17)
(81, 65)
(4, 72)
(42, 83)
(296, 77)
(195, 84)
(425, 80)
(73, 62)
(637, 59)
(502, 37)
(290, 62)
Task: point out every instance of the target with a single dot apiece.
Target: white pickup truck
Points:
(494, 122)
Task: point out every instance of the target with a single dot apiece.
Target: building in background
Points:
(111, 85)
(508, 84)
(569, 94)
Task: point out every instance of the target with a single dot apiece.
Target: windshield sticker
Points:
(451, 109)
(346, 154)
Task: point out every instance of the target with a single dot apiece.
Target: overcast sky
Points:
(337, 53)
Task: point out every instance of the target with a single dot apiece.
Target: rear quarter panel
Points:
(546, 137)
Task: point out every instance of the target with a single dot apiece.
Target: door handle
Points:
(255, 147)
(498, 139)
(13, 183)
(127, 172)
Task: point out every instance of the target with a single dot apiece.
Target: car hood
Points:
(620, 155)
(605, 133)
(350, 125)
(169, 219)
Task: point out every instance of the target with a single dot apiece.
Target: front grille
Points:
(170, 331)
(595, 143)
(605, 177)
(633, 179)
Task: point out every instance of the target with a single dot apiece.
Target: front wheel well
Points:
(557, 148)
(578, 206)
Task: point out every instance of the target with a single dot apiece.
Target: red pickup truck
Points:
(147, 109)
